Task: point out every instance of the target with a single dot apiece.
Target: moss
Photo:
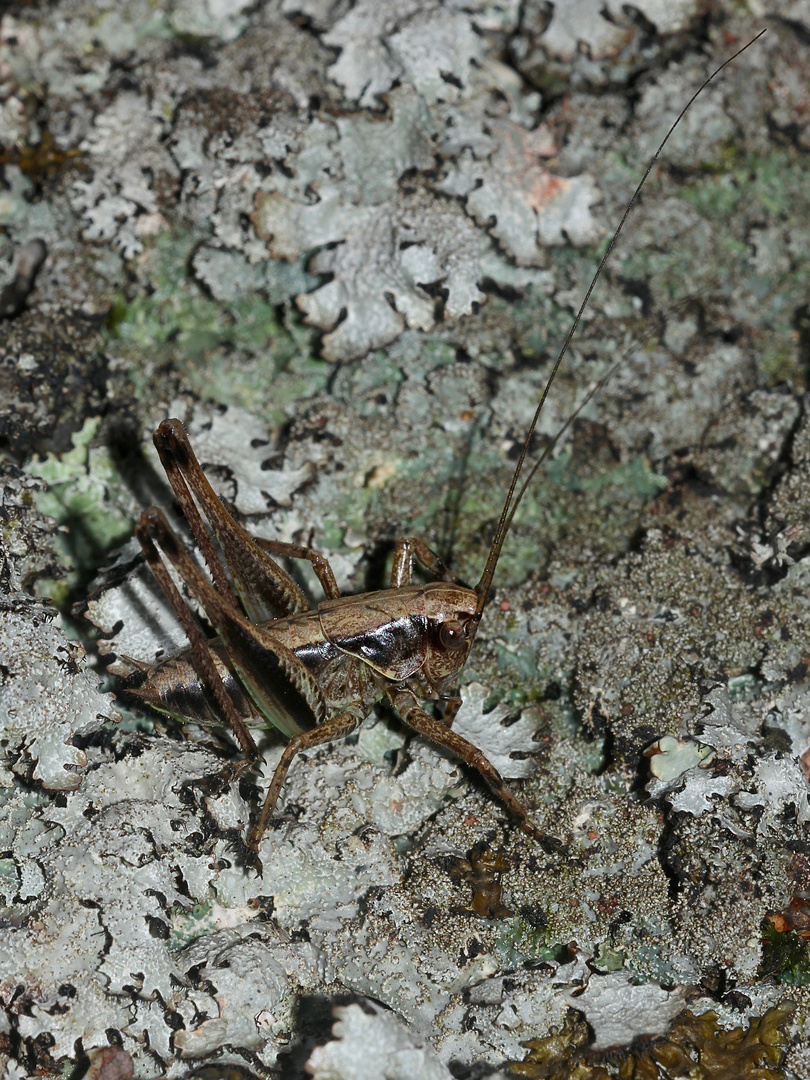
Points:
(696, 1046)
(785, 955)
(482, 871)
(43, 160)
(535, 322)
(775, 185)
(777, 360)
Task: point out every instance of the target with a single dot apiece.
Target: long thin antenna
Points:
(549, 447)
(484, 585)
(638, 344)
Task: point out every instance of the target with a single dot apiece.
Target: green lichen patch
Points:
(189, 924)
(86, 496)
(235, 346)
(521, 942)
(568, 497)
(740, 250)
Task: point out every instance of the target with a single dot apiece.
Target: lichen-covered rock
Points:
(388, 1049)
(619, 1011)
(421, 174)
(46, 698)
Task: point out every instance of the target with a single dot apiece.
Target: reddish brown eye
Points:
(451, 635)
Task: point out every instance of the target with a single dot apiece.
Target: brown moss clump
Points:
(696, 1047)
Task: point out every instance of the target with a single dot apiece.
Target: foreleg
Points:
(437, 733)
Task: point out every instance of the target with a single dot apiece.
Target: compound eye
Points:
(452, 636)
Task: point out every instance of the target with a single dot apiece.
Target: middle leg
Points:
(320, 564)
(413, 548)
(329, 731)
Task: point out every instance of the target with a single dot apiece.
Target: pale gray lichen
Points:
(252, 975)
(46, 698)
(390, 1049)
(428, 45)
(526, 208)
(119, 199)
(780, 788)
(698, 790)
(383, 244)
(670, 758)
(495, 1012)
(506, 744)
(390, 244)
(299, 872)
(220, 440)
(615, 1007)
(399, 804)
(601, 28)
(147, 630)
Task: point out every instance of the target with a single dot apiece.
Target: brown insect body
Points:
(315, 675)
(354, 647)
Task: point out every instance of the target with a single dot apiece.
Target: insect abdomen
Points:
(175, 688)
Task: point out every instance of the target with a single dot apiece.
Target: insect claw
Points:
(234, 771)
(140, 666)
(550, 844)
